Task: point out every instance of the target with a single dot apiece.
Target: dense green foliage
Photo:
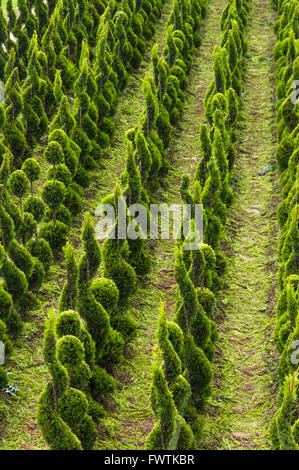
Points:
(64, 65)
(285, 426)
(200, 273)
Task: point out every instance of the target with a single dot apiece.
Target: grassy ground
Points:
(243, 402)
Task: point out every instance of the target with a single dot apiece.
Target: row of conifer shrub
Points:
(182, 384)
(25, 256)
(46, 49)
(284, 428)
(147, 143)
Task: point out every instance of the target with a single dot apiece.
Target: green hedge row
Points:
(83, 49)
(47, 49)
(180, 388)
(124, 260)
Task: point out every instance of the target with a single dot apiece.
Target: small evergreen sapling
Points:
(62, 410)
(18, 184)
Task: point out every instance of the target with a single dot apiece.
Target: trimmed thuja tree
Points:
(107, 294)
(62, 412)
(34, 92)
(215, 209)
(71, 296)
(156, 163)
(201, 173)
(219, 153)
(63, 119)
(84, 375)
(171, 430)
(17, 266)
(12, 127)
(67, 170)
(18, 184)
(139, 257)
(32, 170)
(96, 317)
(85, 132)
(190, 315)
(33, 204)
